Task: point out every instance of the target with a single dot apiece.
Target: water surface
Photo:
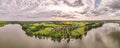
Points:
(107, 36)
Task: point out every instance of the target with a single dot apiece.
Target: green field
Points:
(3, 23)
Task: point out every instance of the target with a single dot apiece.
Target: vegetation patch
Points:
(3, 23)
(59, 30)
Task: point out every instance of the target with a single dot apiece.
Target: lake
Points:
(106, 36)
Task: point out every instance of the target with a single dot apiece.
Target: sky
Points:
(46, 10)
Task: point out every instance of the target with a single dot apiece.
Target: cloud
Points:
(107, 7)
(61, 8)
(113, 4)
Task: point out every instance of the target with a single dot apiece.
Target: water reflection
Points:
(12, 36)
(107, 36)
(103, 37)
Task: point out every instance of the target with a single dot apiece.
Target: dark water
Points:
(107, 36)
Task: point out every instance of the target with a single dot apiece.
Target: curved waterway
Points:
(107, 36)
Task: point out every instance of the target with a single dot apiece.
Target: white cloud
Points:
(108, 7)
(55, 8)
